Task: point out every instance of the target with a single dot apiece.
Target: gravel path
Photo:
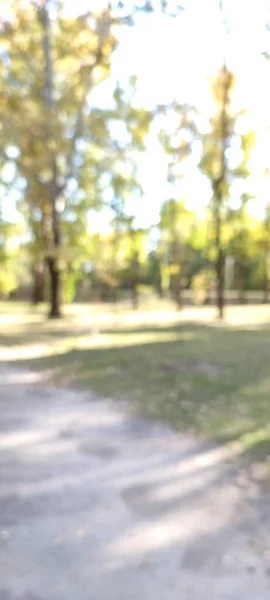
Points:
(96, 504)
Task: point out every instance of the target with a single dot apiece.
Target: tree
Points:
(214, 164)
(9, 257)
(239, 237)
(177, 133)
(261, 241)
(135, 255)
(155, 266)
(46, 111)
(176, 224)
(240, 245)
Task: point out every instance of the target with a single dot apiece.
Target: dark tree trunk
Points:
(219, 265)
(218, 187)
(220, 283)
(176, 290)
(53, 188)
(159, 289)
(179, 295)
(55, 289)
(159, 286)
(134, 296)
(38, 284)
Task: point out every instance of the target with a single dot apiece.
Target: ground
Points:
(98, 504)
(97, 500)
(186, 368)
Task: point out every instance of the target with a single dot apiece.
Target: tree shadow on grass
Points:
(222, 404)
(139, 370)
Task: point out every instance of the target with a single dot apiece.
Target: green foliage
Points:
(64, 144)
(8, 282)
(70, 282)
(73, 159)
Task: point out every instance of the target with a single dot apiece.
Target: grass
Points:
(185, 368)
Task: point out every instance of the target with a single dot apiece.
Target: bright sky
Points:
(183, 53)
(173, 59)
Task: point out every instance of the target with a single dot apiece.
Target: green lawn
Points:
(183, 368)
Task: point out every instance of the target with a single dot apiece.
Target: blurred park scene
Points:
(135, 216)
(124, 186)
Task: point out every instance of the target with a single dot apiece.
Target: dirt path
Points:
(98, 505)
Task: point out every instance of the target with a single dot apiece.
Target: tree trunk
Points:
(218, 187)
(220, 283)
(55, 289)
(134, 296)
(241, 284)
(159, 290)
(178, 295)
(38, 284)
(219, 266)
(53, 188)
(159, 283)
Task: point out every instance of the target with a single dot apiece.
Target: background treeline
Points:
(69, 159)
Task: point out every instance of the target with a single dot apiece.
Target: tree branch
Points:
(106, 22)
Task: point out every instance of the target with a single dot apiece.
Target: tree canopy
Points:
(75, 145)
